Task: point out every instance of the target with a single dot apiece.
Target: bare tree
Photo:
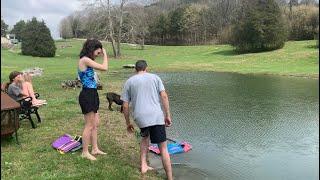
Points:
(111, 29)
(65, 29)
(74, 20)
(122, 3)
(308, 2)
(137, 23)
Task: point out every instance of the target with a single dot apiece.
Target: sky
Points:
(51, 11)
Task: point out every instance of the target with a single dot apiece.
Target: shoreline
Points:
(307, 76)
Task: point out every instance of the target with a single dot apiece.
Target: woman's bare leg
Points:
(27, 88)
(86, 135)
(94, 136)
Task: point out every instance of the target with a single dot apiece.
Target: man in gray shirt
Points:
(145, 93)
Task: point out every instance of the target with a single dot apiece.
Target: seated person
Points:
(18, 88)
(27, 88)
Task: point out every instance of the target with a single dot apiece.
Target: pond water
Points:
(246, 126)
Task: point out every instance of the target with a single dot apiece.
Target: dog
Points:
(71, 84)
(113, 97)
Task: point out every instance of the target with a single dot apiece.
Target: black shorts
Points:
(89, 100)
(157, 133)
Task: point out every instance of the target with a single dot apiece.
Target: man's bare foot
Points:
(96, 152)
(145, 169)
(88, 156)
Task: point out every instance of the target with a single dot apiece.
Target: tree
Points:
(121, 9)
(191, 21)
(111, 32)
(176, 24)
(260, 27)
(37, 40)
(18, 29)
(292, 3)
(308, 2)
(65, 29)
(74, 20)
(302, 22)
(160, 27)
(4, 28)
(135, 24)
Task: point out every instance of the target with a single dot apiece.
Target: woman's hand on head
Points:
(104, 52)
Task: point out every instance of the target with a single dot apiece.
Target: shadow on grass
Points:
(235, 53)
(226, 53)
(8, 141)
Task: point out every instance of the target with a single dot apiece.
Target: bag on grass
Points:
(66, 143)
(77, 138)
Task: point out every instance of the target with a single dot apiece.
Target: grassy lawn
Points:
(35, 159)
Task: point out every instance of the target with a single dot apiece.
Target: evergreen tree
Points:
(18, 29)
(160, 27)
(4, 28)
(37, 40)
(176, 23)
(260, 27)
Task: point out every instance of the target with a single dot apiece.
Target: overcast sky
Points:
(51, 11)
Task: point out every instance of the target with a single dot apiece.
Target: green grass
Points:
(35, 159)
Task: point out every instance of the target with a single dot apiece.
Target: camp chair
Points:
(9, 116)
(26, 108)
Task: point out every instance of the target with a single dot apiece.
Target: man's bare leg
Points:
(166, 162)
(144, 145)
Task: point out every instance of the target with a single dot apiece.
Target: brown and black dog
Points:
(113, 97)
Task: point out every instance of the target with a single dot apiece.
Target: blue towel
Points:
(173, 148)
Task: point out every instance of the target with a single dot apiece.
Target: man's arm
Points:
(126, 116)
(165, 103)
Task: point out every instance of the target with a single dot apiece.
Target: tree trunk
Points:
(111, 31)
(143, 36)
(120, 28)
(132, 36)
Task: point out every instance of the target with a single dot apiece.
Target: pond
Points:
(246, 126)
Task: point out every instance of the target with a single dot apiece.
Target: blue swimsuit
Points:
(87, 78)
(88, 97)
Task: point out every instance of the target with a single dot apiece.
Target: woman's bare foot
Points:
(39, 102)
(42, 101)
(145, 169)
(96, 152)
(88, 156)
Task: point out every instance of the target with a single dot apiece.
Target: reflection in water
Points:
(246, 126)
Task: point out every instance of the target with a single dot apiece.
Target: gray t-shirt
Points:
(14, 91)
(142, 91)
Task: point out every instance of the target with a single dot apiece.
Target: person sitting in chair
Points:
(18, 89)
(27, 88)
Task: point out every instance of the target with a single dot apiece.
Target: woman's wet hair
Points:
(89, 47)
